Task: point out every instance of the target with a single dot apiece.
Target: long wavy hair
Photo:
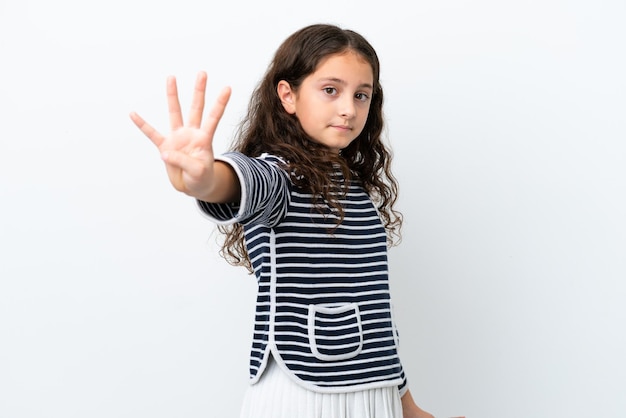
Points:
(268, 128)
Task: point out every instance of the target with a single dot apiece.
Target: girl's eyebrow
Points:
(343, 82)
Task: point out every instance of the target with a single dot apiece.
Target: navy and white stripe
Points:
(323, 302)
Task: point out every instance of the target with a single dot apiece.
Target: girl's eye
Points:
(362, 97)
(330, 90)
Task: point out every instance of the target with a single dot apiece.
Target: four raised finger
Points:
(196, 112)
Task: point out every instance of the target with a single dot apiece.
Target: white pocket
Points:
(335, 332)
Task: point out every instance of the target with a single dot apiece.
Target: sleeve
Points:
(265, 192)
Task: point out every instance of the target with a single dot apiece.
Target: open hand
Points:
(188, 149)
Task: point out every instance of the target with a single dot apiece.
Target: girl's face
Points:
(333, 102)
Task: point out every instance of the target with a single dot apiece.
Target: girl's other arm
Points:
(411, 410)
(188, 149)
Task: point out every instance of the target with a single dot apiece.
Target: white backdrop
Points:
(508, 125)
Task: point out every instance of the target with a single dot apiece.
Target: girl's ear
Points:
(286, 96)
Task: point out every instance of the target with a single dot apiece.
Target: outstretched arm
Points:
(188, 149)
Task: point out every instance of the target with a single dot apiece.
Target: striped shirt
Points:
(323, 305)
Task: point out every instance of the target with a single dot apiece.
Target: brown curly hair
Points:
(268, 128)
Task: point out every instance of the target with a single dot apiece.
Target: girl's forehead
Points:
(348, 61)
(348, 54)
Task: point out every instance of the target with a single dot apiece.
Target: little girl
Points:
(305, 200)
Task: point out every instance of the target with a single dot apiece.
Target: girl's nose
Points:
(346, 107)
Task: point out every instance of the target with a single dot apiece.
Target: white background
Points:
(508, 124)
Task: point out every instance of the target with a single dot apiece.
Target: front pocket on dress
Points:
(335, 333)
